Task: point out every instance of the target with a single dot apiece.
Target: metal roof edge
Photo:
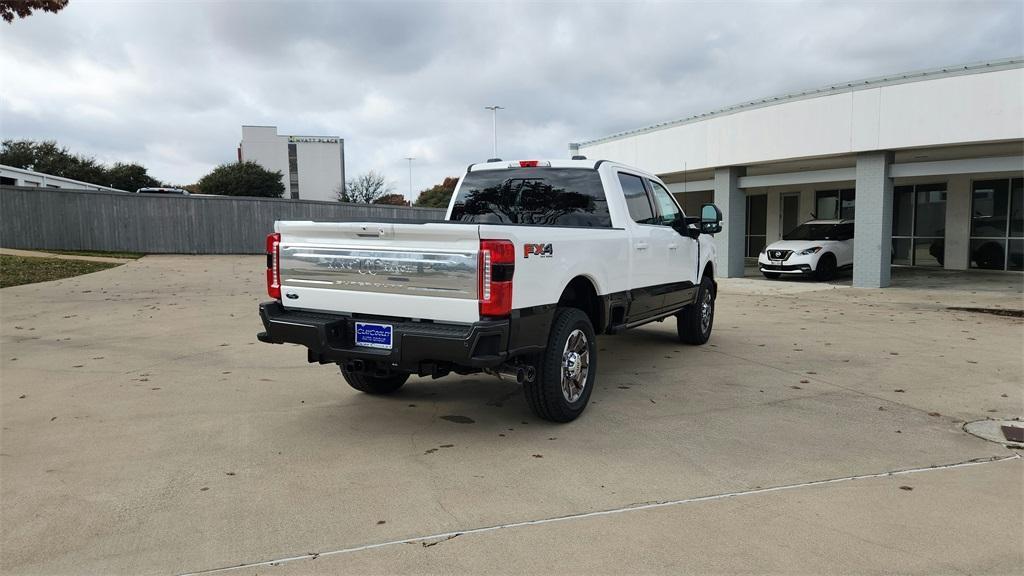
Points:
(839, 88)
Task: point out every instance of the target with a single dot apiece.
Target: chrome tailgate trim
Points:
(407, 271)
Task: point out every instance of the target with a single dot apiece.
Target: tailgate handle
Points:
(367, 233)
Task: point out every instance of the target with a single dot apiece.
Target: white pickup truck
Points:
(535, 259)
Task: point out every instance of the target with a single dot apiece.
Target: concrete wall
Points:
(262, 145)
(933, 111)
(38, 218)
(319, 170)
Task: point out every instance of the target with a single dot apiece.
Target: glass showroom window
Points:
(757, 224)
(834, 204)
(997, 224)
(919, 225)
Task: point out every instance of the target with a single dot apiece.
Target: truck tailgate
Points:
(426, 271)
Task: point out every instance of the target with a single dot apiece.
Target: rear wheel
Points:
(771, 275)
(566, 370)
(695, 321)
(826, 267)
(374, 384)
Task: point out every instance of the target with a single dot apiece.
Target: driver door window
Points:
(668, 210)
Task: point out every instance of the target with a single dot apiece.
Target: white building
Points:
(11, 176)
(312, 167)
(929, 163)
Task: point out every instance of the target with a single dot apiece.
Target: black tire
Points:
(989, 256)
(374, 384)
(771, 275)
(545, 394)
(826, 267)
(690, 321)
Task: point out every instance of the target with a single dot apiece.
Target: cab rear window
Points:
(533, 196)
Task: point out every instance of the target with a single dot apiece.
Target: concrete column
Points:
(772, 232)
(872, 246)
(807, 204)
(958, 223)
(733, 203)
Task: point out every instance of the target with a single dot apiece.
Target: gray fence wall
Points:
(45, 218)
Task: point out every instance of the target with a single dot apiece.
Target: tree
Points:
(365, 188)
(24, 8)
(438, 195)
(392, 199)
(49, 158)
(242, 179)
(130, 177)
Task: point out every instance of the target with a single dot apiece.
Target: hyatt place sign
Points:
(319, 139)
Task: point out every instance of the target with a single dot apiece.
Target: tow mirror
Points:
(710, 219)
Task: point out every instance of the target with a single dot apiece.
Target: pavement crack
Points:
(436, 542)
(434, 539)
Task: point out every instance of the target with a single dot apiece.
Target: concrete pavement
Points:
(145, 430)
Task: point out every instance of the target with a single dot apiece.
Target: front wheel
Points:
(371, 384)
(694, 322)
(826, 268)
(566, 370)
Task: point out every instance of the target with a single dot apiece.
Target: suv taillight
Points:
(274, 265)
(497, 263)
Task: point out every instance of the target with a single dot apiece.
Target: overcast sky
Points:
(170, 84)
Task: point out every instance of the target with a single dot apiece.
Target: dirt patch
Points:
(458, 419)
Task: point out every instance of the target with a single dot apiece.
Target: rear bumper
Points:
(418, 347)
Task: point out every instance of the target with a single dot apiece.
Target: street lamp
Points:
(494, 124)
(410, 159)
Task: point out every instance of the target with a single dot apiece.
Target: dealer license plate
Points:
(373, 335)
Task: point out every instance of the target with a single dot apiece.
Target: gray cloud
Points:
(170, 84)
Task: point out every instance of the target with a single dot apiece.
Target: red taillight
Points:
(497, 263)
(528, 163)
(274, 265)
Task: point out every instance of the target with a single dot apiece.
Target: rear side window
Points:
(535, 196)
(636, 198)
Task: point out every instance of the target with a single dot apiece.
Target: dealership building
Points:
(928, 164)
(312, 167)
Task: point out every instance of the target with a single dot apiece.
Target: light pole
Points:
(410, 159)
(494, 125)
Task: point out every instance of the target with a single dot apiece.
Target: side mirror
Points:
(710, 219)
(687, 227)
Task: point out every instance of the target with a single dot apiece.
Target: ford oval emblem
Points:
(292, 296)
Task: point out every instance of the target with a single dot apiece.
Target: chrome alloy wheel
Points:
(575, 365)
(706, 311)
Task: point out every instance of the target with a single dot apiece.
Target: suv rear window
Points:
(535, 196)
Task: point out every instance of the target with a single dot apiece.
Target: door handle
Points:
(673, 246)
(641, 245)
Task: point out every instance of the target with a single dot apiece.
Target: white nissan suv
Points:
(817, 248)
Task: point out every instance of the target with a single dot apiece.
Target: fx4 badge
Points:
(542, 250)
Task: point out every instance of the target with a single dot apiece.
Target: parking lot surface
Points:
(145, 430)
